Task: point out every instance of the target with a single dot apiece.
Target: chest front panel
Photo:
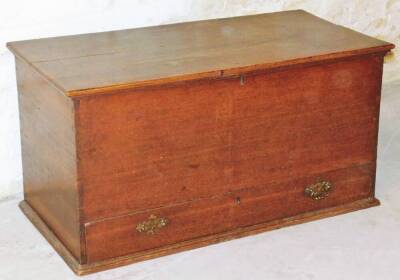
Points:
(160, 146)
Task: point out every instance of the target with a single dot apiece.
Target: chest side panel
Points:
(161, 146)
(49, 156)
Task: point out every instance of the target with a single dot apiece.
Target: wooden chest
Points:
(144, 142)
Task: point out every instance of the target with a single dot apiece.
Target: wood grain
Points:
(217, 125)
(83, 269)
(174, 144)
(49, 155)
(115, 237)
(97, 63)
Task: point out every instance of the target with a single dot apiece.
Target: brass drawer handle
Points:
(318, 190)
(152, 225)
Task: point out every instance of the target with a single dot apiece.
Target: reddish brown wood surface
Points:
(217, 125)
(82, 269)
(49, 156)
(116, 237)
(161, 146)
(212, 48)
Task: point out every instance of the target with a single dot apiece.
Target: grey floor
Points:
(360, 245)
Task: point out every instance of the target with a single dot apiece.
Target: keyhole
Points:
(237, 200)
(242, 80)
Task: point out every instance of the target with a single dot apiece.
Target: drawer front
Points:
(162, 146)
(163, 226)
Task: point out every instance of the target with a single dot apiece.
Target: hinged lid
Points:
(102, 62)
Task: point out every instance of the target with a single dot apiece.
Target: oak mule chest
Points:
(143, 142)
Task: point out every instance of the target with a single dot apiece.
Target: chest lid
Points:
(101, 62)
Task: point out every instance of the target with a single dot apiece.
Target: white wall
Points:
(27, 19)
